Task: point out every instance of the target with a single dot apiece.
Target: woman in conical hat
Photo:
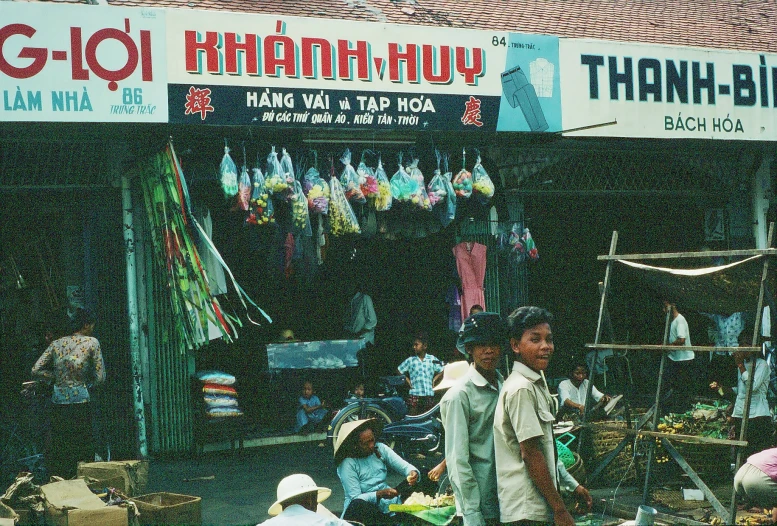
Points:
(362, 465)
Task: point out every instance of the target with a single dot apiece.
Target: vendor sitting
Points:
(311, 411)
(362, 465)
(756, 481)
(572, 392)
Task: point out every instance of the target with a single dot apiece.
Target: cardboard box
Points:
(71, 503)
(133, 472)
(169, 508)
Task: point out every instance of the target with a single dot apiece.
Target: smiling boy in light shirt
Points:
(526, 465)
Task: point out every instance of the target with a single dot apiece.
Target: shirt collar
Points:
(530, 374)
(480, 381)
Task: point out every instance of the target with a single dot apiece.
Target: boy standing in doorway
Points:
(421, 371)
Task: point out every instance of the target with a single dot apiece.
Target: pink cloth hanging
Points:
(471, 264)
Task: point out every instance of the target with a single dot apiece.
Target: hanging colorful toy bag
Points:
(317, 192)
(349, 180)
(244, 190)
(368, 181)
(287, 169)
(274, 179)
(403, 187)
(342, 220)
(415, 173)
(383, 199)
(300, 219)
(261, 209)
(531, 247)
(448, 214)
(482, 186)
(462, 182)
(436, 189)
(228, 174)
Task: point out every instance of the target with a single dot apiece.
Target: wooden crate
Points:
(169, 508)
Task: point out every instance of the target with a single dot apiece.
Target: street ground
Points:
(237, 489)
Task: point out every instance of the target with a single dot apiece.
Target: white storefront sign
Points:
(655, 91)
(66, 63)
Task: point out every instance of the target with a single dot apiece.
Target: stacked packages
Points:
(218, 394)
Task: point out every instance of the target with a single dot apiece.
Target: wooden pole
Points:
(657, 413)
(678, 255)
(751, 374)
(602, 310)
(697, 480)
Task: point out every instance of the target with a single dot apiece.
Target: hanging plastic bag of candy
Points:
(316, 190)
(449, 213)
(349, 180)
(228, 174)
(367, 180)
(244, 189)
(403, 187)
(274, 177)
(531, 248)
(383, 199)
(462, 182)
(415, 173)
(342, 220)
(261, 209)
(436, 189)
(300, 219)
(516, 244)
(482, 185)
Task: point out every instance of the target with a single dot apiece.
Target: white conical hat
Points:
(451, 374)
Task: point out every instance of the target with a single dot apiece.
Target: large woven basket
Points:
(621, 468)
(711, 462)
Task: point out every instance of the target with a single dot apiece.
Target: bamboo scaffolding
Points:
(728, 516)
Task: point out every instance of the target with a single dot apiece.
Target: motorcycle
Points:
(387, 406)
(416, 434)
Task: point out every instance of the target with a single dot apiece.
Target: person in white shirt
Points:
(760, 427)
(298, 504)
(572, 393)
(679, 368)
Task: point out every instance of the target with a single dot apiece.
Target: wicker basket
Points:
(621, 467)
(710, 461)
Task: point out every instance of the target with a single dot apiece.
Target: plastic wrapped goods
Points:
(350, 182)
(462, 183)
(276, 181)
(244, 190)
(482, 186)
(261, 208)
(300, 219)
(228, 174)
(317, 192)
(383, 199)
(368, 182)
(422, 201)
(403, 187)
(342, 220)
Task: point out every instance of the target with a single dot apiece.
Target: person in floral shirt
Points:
(73, 363)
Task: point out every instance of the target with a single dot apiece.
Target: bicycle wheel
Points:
(359, 413)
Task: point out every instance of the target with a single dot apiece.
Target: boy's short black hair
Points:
(527, 317)
(422, 336)
(575, 365)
